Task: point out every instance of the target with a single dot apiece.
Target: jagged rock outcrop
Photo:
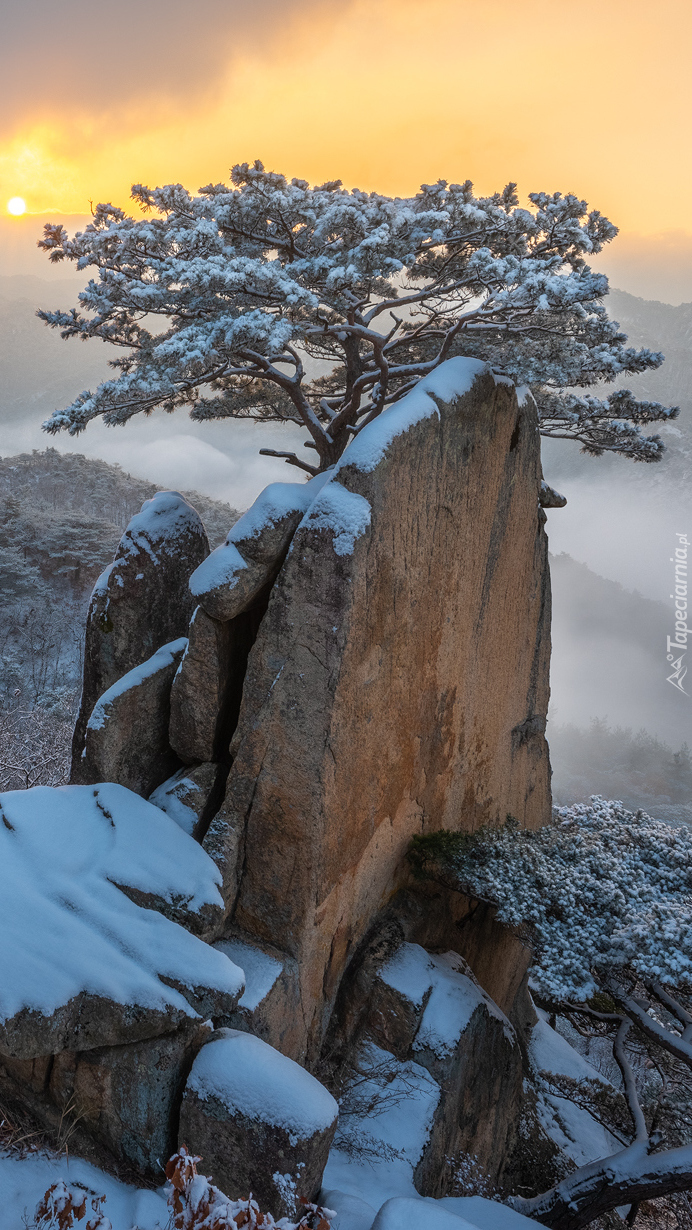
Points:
(126, 737)
(399, 679)
(141, 601)
(262, 1123)
(367, 660)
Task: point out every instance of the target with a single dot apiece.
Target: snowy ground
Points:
(366, 1192)
(23, 1181)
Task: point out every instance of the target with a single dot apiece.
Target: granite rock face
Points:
(262, 1123)
(126, 737)
(128, 1097)
(399, 680)
(200, 691)
(141, 601)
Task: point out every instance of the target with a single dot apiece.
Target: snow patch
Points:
(409, 972)
(343, 512)
(168, 797)
(550, 1052)
(486, 1214)
(402, 1113)
(570, 1127)
(261, 971)
(24, 1180)
(250, 1078)
(524, 395)
(66, 926)
(407, 1213)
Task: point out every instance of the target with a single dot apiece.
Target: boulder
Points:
(186, 795)
(233, 576)
(142, 599)
(128, 1097)
(471, 1050)
(392, 689)
(261, 1123)
(432, 1041)
(126, 737)
(270, 1000)
(201, 691)
(89, 958)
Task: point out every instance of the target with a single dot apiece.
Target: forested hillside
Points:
(61, 517)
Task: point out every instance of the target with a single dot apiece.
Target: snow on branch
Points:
(319, 305)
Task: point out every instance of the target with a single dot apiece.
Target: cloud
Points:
(219, 459)
(101, 59)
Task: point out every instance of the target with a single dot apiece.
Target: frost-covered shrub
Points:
(194, 1204)
(600, 888)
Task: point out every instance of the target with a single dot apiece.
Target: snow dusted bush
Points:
(597, 890)
(61, 1207)
(194, 1203)
(604, 897)
(322, 306)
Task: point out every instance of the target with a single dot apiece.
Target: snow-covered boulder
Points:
(234, 575)
(261, 1123)
(392, 688)
(82, 965)
(142, 599)
(126, 737)
(425, 1013)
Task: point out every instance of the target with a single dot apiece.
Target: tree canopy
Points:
(273, 300)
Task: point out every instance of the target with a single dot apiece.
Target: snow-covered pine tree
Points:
(604, 898)
(277, 301)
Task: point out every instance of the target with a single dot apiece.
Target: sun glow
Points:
(16, 206)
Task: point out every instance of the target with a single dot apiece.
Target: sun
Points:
(16, 206)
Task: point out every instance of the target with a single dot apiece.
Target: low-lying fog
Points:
(611, 545)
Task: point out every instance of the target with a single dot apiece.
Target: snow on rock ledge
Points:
(261, 1122)
(126, 738)
(230, 579)
(81, 964)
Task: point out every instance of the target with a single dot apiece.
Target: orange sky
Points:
(592, 98)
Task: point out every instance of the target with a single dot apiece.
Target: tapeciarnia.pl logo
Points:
(677, 644)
